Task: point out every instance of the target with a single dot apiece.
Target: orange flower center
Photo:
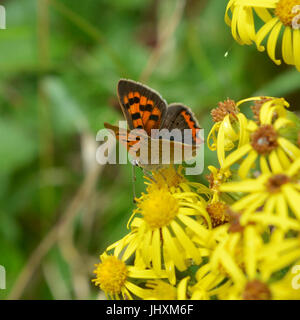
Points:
(287, 11)
(224, 108)
(234, 219)
(275, 182)
(256, 290)
(111, 275)
(264, 139)
(218, 213)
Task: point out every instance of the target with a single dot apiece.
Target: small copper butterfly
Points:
(145, 109)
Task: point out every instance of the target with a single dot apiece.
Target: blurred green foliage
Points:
(60, 61)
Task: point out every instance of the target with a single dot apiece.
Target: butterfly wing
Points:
(145, 109)
(142, 107)
(181, 117)
(184, 146)
(130, 140)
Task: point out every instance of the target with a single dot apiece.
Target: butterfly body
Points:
(150, 120)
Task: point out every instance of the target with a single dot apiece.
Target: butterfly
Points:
(145, 110)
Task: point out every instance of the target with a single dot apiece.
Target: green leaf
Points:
(17, 147)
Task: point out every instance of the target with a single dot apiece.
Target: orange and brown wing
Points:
(143, 108)
(126, 138)
(181, 117)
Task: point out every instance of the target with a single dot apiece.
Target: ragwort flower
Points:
(266, 141)
(275, 191)
(228, 130)
(114, 277)
(162, 227)
(252, 263)
(277, 16)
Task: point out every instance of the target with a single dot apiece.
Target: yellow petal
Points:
(293, 198)
(284, 160)
(264, 167)
(135, 289)
(236, 155)
(201, 211)
(283, 123)
(249, 185)
(221, 144)
(146, 247)
(186, 243)
(274, 162)
(247, 164)
(271, 4)
(182, 288)
(250, 202)
(263, 31)
(232, 268)
(250, 251)
(246, 25)
(136, 273)
(170, 267)
(289, 148)
(234, 24)
(272, 41)
(194, 226)
(243, 134)
(294, 168)
(287, 46)
(263, 13)
(227, 18)
(133, 244)
(155, 254)
(296, 45)
(213, 136)
(270, 203)
(172, 250)
(281, 206)
(249, 99)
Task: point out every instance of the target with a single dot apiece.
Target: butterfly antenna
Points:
(149, 175)
(133, 183)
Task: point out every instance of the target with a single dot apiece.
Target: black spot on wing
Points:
(136, 116)
(154, 117)
(148, 107)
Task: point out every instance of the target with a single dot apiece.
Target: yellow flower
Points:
(229, 129)
(242, 21)
(161, 290)
(174, 180)
(113, 277)
(162, 226)
(277, 15)
(274, 192)
(266, 141)
(251, 262)
(282, 289)
(208, 285)
(161, 237)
